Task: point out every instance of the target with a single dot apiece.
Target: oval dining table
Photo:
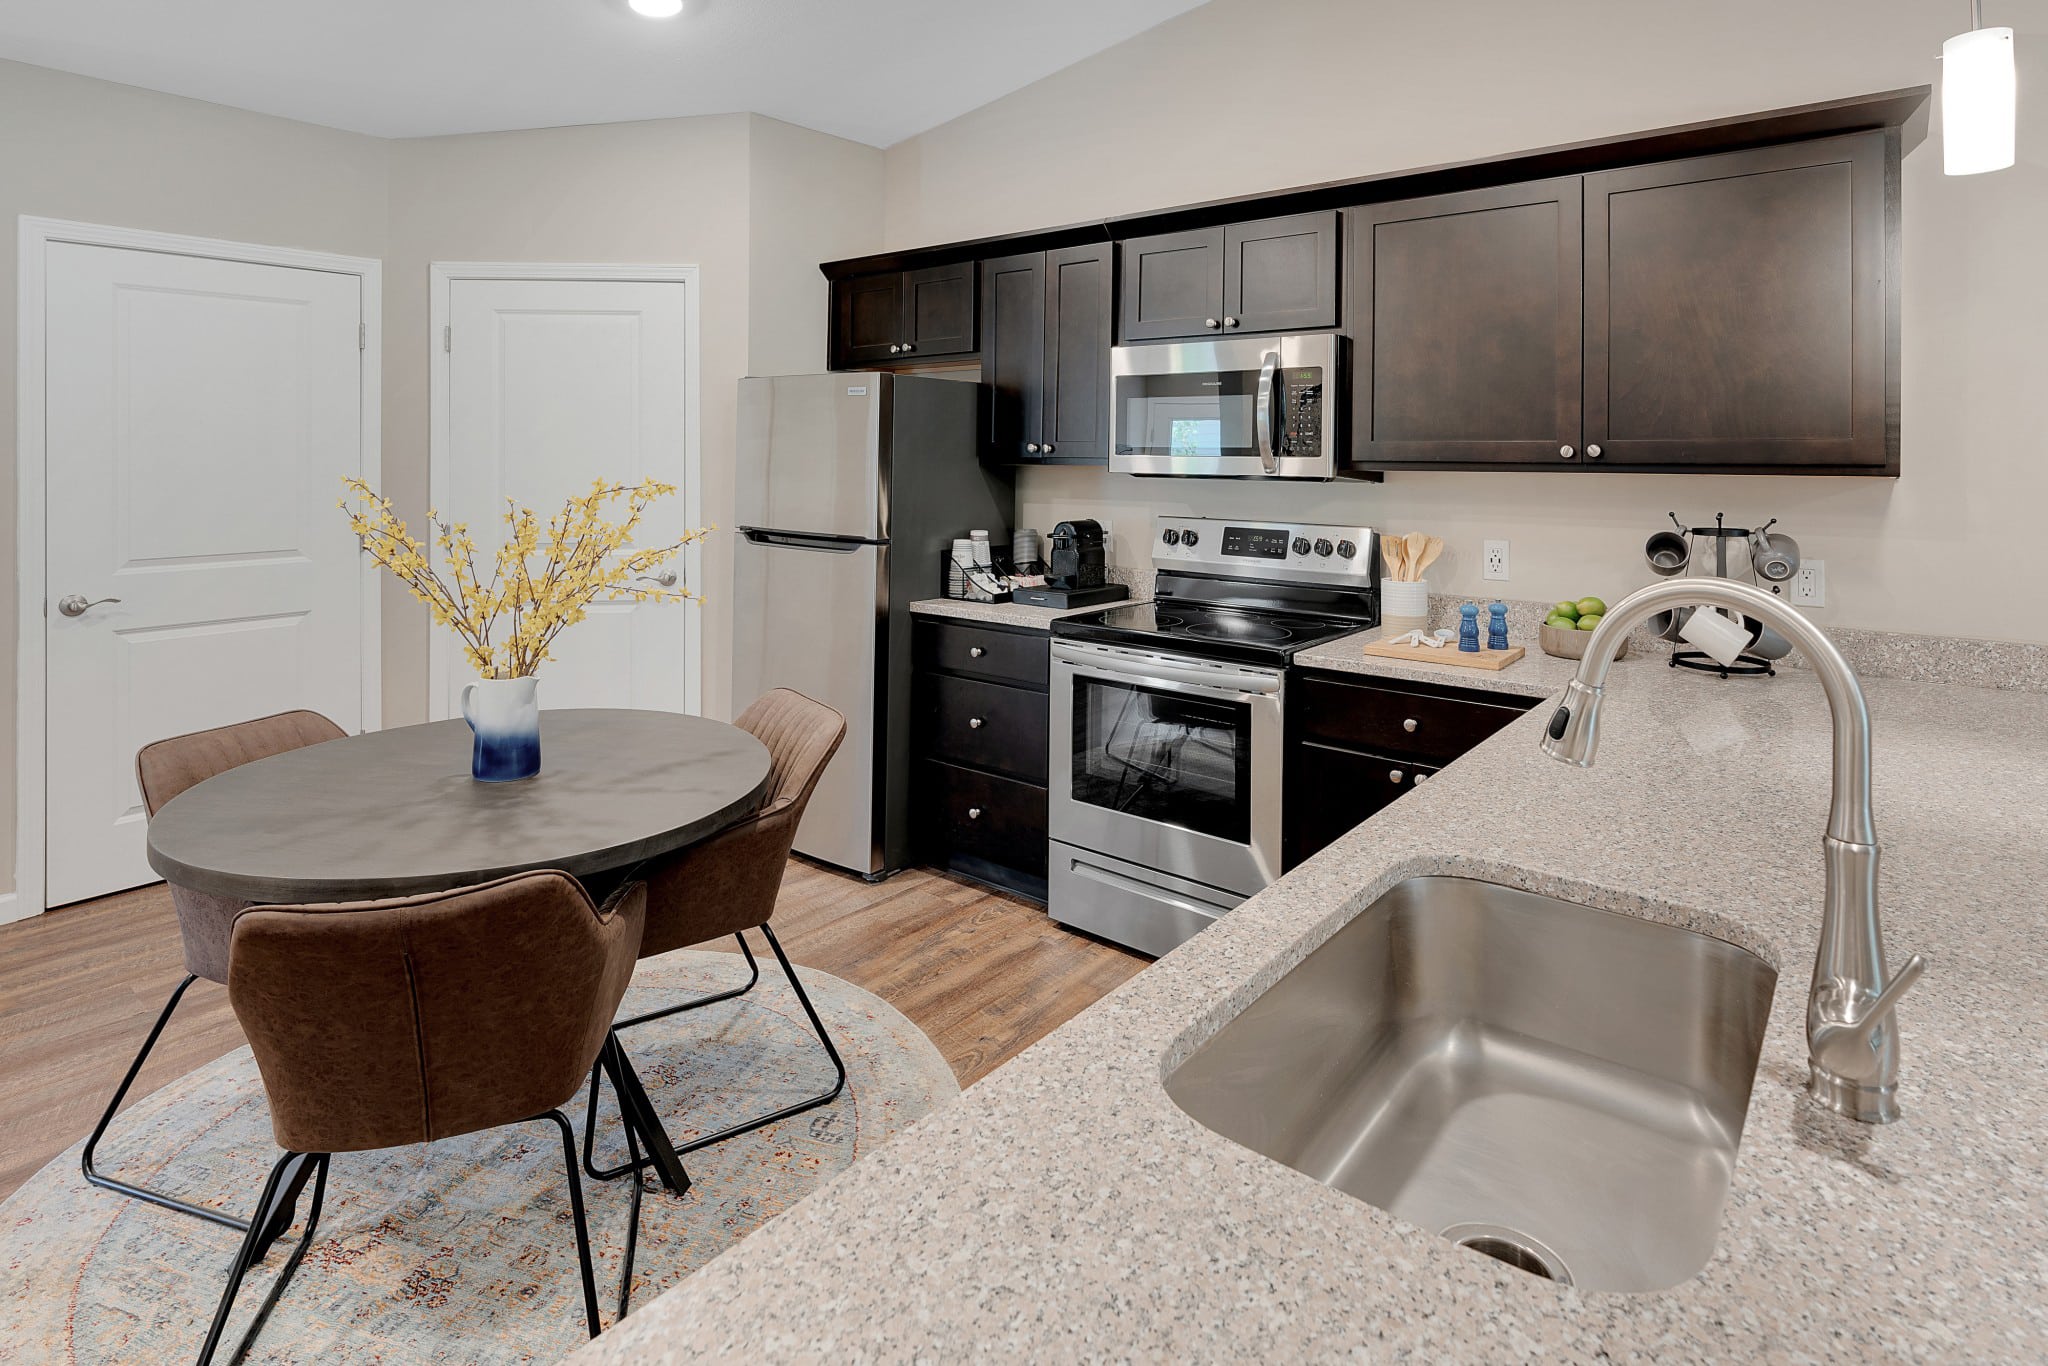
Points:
(395, 813)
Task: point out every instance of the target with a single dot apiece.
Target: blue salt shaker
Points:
(1497, 626)
(1468, 628)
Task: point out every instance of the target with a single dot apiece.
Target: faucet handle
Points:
(1864, 1025)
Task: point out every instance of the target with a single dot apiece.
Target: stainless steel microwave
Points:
(1233, 408)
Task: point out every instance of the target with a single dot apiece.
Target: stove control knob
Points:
(1346, 549)
(1324, 547)
(1170, 536)
(1301, 545)
(1188, 537)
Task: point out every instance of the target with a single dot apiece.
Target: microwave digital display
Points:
(1255, 542)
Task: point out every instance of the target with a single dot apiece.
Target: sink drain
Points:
(1517, 1249)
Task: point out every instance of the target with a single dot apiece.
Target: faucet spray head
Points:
(1574, 731)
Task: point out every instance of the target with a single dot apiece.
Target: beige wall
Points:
(102, 153)
(755, 203)
(1357, 88)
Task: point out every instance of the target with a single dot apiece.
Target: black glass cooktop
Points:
(1201, 629)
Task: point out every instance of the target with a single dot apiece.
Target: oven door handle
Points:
(1180, 901)
(1269, 392)
(1234, 685)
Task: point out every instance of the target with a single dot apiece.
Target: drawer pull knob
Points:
(974, 723)
(1031, 448)
(1394, 775)
(975, 652)
(1421, 778)
(974, 813)
(1409, 725)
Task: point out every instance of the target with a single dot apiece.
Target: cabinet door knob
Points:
(1394, 775)
(1209, 322)
(974, 813)
(1566, 451)
(1031, 447)
(974, 723)
(1421, 778)
(975, 652)
(908, 348)
(1230, 322)
(1048, 448)
(894, 348)
(1592, 452)
(1409, 725)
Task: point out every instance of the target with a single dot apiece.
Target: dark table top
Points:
(395, 812)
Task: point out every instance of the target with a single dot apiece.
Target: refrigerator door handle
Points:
(824, 542)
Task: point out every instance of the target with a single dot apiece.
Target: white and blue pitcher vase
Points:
(505, 717)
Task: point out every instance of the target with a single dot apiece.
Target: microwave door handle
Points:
(1269, 389)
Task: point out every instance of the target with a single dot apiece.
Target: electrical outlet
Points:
(1810, 584)
(1496, 565)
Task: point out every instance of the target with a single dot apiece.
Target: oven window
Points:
(1204, 414)
(1164, 756)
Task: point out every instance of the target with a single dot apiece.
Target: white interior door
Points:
(199, 417)
(553, 383)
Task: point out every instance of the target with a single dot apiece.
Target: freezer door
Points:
(807, 616)
(810, 455)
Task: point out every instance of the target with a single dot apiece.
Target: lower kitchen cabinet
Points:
(1357, 744)
(978, 733)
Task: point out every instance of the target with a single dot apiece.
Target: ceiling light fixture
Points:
(657, 9)
(1978, 99)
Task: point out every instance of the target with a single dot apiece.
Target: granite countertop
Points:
(1063, 1207)
(1535, 674)
(1007, 613)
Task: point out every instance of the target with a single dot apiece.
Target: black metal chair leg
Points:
(247, 1255)
(99, 1130)
(582, 1228)
(745, 1126)
(633, 1228)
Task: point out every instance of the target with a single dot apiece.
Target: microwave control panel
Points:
(1301, 395)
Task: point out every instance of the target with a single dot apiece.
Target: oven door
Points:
(1246, 407)
(1167, 761)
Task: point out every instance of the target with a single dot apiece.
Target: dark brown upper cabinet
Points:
(1465, 317)
(1274, 275)
(1739, 313)
(903, 317)
(1045, 358)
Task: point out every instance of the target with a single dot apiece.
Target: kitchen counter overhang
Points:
(1064, 1206)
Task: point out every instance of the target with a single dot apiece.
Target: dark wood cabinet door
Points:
(1075, 423)
(938, 312)
(984, 725)
(1330, 790)
(1280, 274)
(1013, 312)
(1173, 285)
(1737, 313)
(1465, 313)
(867, 320)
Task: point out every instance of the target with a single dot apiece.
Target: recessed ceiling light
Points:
(657, 9)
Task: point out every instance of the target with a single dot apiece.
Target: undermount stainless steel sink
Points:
(1557, 1086)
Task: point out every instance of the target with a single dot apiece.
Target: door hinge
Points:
(362, 336)
(447, 338)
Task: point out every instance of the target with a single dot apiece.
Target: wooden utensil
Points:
(1417, 543)
(1431, 549)
(1392, 550)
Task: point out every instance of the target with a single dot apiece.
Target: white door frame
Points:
(37, 235)
(441, 654)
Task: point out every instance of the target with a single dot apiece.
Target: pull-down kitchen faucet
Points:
(1851, 1039)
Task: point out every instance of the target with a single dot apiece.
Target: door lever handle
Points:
(75, 605)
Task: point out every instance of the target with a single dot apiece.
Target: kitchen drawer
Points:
(1423, 723)
(979, 814)
(1331, 790)
(983, 725)
(1020, 658)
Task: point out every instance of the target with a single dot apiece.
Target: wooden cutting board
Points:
(1449, 654)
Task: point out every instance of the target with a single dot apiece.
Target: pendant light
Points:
(1978, 108)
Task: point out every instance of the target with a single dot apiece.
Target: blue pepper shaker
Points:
(1468, 628)
(1497, 626)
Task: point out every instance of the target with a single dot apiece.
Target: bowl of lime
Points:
(1570, 625)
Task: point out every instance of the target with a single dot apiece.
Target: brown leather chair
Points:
(205, 922)
(728, 884)
(385, 1023)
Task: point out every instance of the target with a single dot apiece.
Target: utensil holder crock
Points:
(1404, 601)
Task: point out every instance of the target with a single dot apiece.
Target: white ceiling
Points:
(877, 71)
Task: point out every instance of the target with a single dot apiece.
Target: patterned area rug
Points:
(459, 1251)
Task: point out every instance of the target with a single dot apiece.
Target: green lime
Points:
(1562, 623)
(1568, 610)
(1588, 623)
(1591, 607)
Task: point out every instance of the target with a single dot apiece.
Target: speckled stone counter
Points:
(1535, 674)
(1005, 613)
(1063, 1208)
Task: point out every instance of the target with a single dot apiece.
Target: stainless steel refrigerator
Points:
(850, 491)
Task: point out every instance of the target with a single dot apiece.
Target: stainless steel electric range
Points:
(1167, 716)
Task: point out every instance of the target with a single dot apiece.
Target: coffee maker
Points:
(1077, 571)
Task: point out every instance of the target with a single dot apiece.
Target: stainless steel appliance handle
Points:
(823, 542)
(1183, 902)
(1269, 455)
(1151, 669)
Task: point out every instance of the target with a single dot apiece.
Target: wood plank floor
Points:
(984, 975)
